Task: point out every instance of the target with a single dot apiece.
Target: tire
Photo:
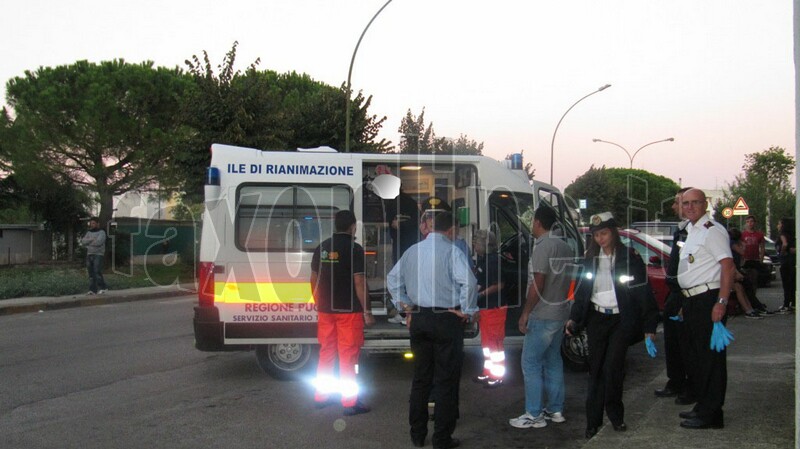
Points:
(575, 352)
(285, 361)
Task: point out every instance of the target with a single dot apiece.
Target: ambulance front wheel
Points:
(285, 361)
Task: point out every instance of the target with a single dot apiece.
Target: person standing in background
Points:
(675, 343)
(788, 264)
(95, 242)
(754, 250)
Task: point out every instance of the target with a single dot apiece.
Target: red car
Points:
(655, 254)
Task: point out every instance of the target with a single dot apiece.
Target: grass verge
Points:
(59, 280)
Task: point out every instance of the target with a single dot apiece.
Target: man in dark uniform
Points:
(402, 214)
(340, 292)
(675, 343)
(705, 274)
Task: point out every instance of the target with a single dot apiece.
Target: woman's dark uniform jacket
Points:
(635, 299)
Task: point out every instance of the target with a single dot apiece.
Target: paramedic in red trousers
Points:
(339, 287)
(493, 308)
(434, 284)
(705, 274)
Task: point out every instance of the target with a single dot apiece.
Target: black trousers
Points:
(437, 341)
(608, 345)
(709, 367)
(789, 283)
(676, 349)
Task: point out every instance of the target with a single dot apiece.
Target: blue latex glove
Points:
(651, 347)
(676, 318)
(720, 337)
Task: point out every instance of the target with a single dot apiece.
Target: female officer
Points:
(615, 304)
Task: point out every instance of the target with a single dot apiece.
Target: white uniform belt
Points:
(606, 310)
(697, 289)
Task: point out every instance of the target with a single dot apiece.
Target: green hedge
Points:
(36, 280)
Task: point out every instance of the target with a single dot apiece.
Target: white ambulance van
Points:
(266, 212)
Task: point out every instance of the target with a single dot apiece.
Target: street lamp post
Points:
(631, 157)
(552, 142)
(349, 73)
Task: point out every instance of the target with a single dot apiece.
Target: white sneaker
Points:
(554, 416)
(91, 293)
(397, 319)
(102, 292)
(527, 421)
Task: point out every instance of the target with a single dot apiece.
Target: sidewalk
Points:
(759, 404)
(44, 303)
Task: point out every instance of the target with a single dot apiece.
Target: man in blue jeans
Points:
(95, 242)
(542, 321)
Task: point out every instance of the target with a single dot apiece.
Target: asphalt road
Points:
(127, 376)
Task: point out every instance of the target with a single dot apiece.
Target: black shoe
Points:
(685, 400)
(667, 392)
(621, 427)
(697, 423)
(418, 442)
(590, 432)
(691, 414)
(357, 409)
(450, 444)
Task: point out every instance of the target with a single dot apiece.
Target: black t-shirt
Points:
(335, 261)
(487, 272)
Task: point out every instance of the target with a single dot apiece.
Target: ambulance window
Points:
(287, 218)
(566, 225)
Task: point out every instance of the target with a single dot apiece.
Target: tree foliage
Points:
(765, 184)
(28, 198)
(110, 127)
(417, 138)
(630, 194)
(267, 110)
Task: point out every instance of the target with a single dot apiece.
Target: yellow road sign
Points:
(740, 207)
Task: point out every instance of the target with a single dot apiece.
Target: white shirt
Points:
(603, 293)
(707, 243)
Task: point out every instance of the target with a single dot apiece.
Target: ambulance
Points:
(266, 212)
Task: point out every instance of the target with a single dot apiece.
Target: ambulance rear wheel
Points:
(285, 361)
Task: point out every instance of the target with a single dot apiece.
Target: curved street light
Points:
(349, 73)
(552, 142)
(671, 139)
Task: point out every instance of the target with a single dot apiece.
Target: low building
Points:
(25, 243)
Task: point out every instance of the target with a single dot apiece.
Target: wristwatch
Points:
(722, 301)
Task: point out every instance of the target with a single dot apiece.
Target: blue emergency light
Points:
(212, 176)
